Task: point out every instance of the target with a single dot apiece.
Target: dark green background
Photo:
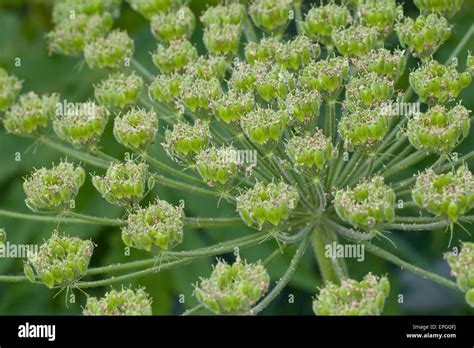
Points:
(22, 28)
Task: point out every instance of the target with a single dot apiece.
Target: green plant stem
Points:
(330, 268)
(46, 219)
(144, 71)
(274, 255)
(194, 310)
(415, 227)
(407, 162)
(211, 222)
(171, 170)
(331, 120)
(298, 17)
(249, 30)
(348, 169)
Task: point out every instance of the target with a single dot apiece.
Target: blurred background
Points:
(23, 25)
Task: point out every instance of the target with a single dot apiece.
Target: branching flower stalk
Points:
(299, 133)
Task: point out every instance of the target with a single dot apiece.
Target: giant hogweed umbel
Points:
(323, 173)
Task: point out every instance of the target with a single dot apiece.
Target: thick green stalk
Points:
(331, 270)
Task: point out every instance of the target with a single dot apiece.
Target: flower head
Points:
(119, 90)
(380, 14)
(232, 13)
(10, 87)
(232, 105)
(166, 88)
(171, 25)
(382, 62)
(174, 56)
(218, 165)
(222, 39)
(111, 51)
(69, 9)
(184, 141)
(264, 124)
(462, 267)
(199, 94)
(355, 40)
(444, 7)
(271, 15)
(125, 302)
(136, 129)
(207, 68)
(368, 90)
(301, 105)
(311, 151)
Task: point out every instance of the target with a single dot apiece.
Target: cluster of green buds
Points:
(165, 88)
(297, 53)
(54, 188)
(213, 66)
(148, 8)
(231, 13)
(301, 105)
(436, 83)
(111, 51)
(244, 75)
(440, 129)
(363, 129)
(271, 202)
(351, 297)
(368, 203)
(264, 124)
(271, 15)
(70, 36)
(382, 62)
(69, 8)
(30, 114)
(462, 267)
(232, 105)
(450, 195)
(184, 141)
(222, 39)
(380, 14)
(264, 51)
(424, 35)
(124, 184)
(60, 261)
(233, 289)
(355, 40)
(174, 56)
(81, 127)
(368, 90)
(155, 228)
(274, 83)
(326, 76)
(125, 302)
(10, 87)
(320, 22)
(136, 129)
(445, 7)
(310, 152)
(218, 166)
(119, 90)
(175, 24)
(197, 94)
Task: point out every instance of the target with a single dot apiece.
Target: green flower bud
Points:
(185, 140)
(165, 88)
(439, 130)
(155, 228)
(301, 106)
(437, 84)
(198, 94)
(244, 75)
(326, 76)
(310, 152)
(363, 129)
(450, 195)
(233, 289)
(275, 83)
(271, 203)
(382, 62)
(444, 7)
(70, 35)
(69, 9)
(136, 129)
(424, 35)
(462, 267)
(172, 25)
(31, 114)
(54, 188)
(60, 261)
(380, 14)
(119, 90)
(232, 13)
(147, 8)
(124, 184)
(368, 90)
(10, 87)
(368, 203)
(218, 166)
(366, 297)
(320, 22)
(271, 15)
(355, 40)
(125, 302)
(111, 51)
(297, 53)
(83, 127)
(222, 39)
(264, 124)
(264, 51)
(174, 56)
(231, 106)
(207, 68)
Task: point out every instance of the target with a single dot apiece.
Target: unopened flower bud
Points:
(136, 129)
(232, 105)
(264, 51)
(123, 184)
(222, 39)
(440, 129)
(264, 124)
(379, 14)
(310, 152)
(271, 15)
(271, 203)
(174, 24)
(185, 140)
(275, 82)
(10, 87)
(119, 90)
(31, 114)
(61, 261)
(111, 51)
(445, 7)
(450, 195)
(437, 84)
(424, 35)
(367, 204)
(297, 53)
(174, 56)
(155, 228)
(198, 94)
(351, 297)
(218, 166)
(368, 90)
(232, 13)
(148, 8)
(82, 127)
(213, 66)
(462, 267)
(125, 302)
(244, 75)
(355, 40)
(382, 62)
(233, 289)
(301, 105)
(165, 88)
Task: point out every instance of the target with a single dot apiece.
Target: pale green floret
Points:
(125, 302)
(355, 40)
(380, 14)
(462, 267)
(445, 7)
(262, 125)
(233, 13)
(172, 25)
(301, 106)
(220, 39)
(136, 129)
(271, 15)
(113, 51)
(184, 141)
(70, 9)
(119, 90)
(218, 166)
(10, 87)
(174, 56)
(148, 8)
(382, 62)
(368, 90)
